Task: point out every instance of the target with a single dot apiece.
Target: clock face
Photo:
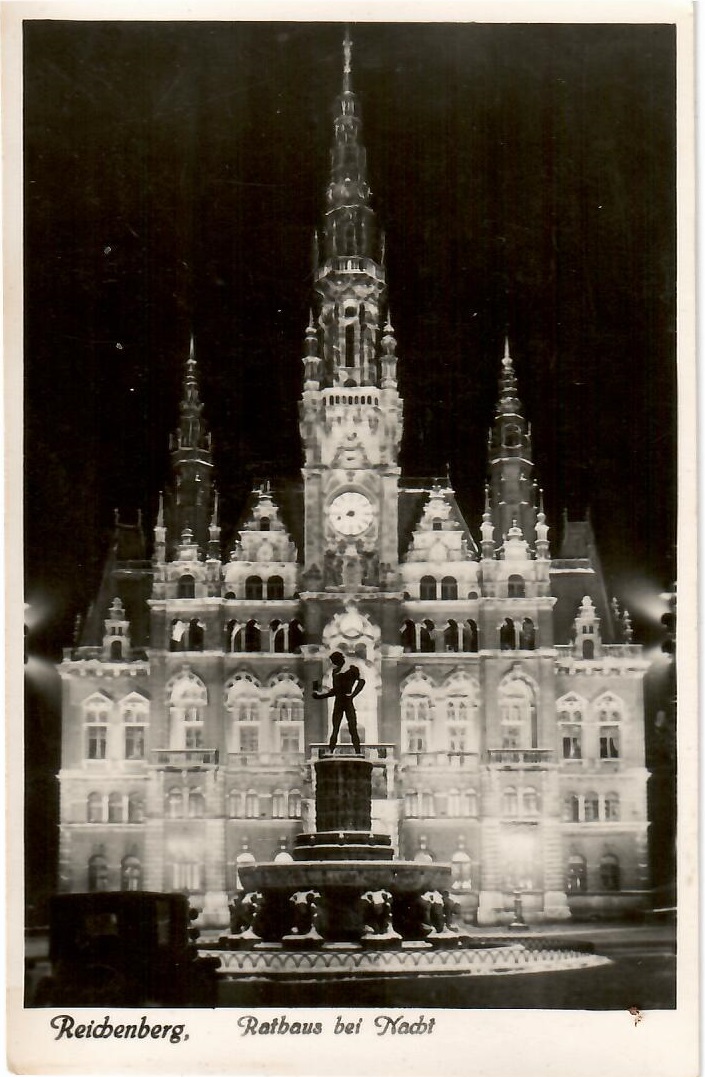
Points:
(350, 513)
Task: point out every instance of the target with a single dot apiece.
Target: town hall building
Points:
(503, 696)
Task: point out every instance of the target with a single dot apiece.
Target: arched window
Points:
(349, 328)
(175, 803)
(412, 807)
(472, 595)
(610, 711)
(234, 637)
(517, 711)
(296, 637)
(253, 636)
(97, 873)
(130, 874)
(570, 715)
(609, 872)
(449, 588)
(194, 635)
(507, 635)
(235, 804)
(427, 642)
(511, 435)
(186, 587)
(277, 636)
(428, 805)
(451, 636)
(427, 588)
(592, 807)
(116, 650)
(437, 524)
(134, 711)
(416, 715)
(589, 649)
(294, 804)
(516, 588)
(251, 804)
(408, 636)
(264, 523)
(470, 636)
(178, 640)
(115, 808)
(612, 807)
(468, 803)
(530, 801)
(95, 808)
(571, 809)
(528, 635)
(576, 876)
(229, 596)
(135, 808)
(196, 804)
(453, 803)
(275, 587)
(461, 871)
(253, 588)
(510, 802)
(96, 713)
(278, 804)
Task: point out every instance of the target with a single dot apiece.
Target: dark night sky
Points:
(174, 173)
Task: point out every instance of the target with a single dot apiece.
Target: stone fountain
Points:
(345, 908)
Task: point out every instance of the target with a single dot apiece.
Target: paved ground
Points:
(642, 974)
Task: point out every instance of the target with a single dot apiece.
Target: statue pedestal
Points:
(343, 793)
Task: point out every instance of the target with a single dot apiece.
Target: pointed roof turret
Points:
(192, 432)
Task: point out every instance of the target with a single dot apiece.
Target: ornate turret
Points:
(192, 464)
(350, 277)
(512, 490)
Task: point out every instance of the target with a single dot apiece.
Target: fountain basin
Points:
(400, 877)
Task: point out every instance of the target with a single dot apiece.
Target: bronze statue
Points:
(347, 683)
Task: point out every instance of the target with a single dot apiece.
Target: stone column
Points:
(215, 904)
(491, 900)
(153, 874)
(555, 899)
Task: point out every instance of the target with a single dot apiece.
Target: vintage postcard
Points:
(348, 355)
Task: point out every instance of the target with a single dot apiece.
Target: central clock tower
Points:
(350, 411)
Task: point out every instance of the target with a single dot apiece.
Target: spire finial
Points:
(214, 517)
(507, 356)
(192, 349)
(347, 60)
(160, 510)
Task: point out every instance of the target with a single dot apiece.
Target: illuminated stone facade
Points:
(503, 696)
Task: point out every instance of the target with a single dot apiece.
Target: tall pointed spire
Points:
(512, 488)
(350, 276)
(347, 62)
(192, 462)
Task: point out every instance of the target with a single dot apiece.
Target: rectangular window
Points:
(289, 741)
(456, 740)
(609, 742)
(193, 737)
(572, 748)
(186, 875)
(134, 742)
(96, 742)
(249, 741)
(416, 739)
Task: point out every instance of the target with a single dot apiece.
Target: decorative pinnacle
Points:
(347, 61)
(507, 360)
(487, 500)
(160, 510)
(214, 517)
(541, 508)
